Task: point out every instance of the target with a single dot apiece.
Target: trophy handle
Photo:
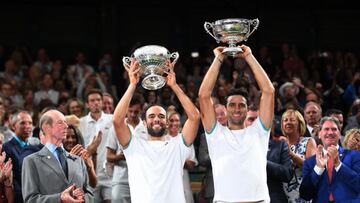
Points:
(175, 56)
(255, 23)
(126, 60)
(207, 26)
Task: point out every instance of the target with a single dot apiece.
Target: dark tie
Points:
(62, 159)
(330, 167)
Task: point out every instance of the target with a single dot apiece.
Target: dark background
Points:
(93, 26)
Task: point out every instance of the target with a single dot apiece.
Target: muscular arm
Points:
(191, 125)
(267, 100)
(208, 117)
(121, 129)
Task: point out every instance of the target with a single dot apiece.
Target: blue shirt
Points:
(52, 149)
(22, 144)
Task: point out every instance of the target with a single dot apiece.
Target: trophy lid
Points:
(231, 20)
(151, 50)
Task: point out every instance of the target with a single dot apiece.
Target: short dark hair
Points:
(333, 111)
(93, 91)
(328, 118)
(238, 91)
(148, 107)
(253, 107)
(79, 137)
(136, 99)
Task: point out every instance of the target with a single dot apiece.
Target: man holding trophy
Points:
(238, 153)
(155, 161)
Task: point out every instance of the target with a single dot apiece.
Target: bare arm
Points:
(112, 157)
(267, 100)
(208, 117)
(121, 129)
(191, 125)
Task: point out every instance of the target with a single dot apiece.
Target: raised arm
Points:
(121, 129)
(191, 125)
(267, 100)
(208, 117)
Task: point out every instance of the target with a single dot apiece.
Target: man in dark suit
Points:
(18, 148)
(207, 192)
(51, 174)
(279, 169)
(333, 174)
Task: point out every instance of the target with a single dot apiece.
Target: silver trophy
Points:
(152, 60)
(231, 31)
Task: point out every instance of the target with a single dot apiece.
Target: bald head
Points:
(54, 126)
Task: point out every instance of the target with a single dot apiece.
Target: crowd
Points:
(272, 121)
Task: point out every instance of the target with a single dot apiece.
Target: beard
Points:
(156, 133)
(239, 121)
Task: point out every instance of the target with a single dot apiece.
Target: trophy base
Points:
(232, 51)
(153, 82)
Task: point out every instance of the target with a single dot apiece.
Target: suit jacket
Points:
(44, 180)
(204, 160)
(17, 154)
(279, 169)
(345, 184)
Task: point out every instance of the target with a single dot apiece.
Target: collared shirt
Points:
(52, 149)
(320, 171)
(90, 128)
(22, 143)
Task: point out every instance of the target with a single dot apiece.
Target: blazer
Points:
(43, 178)
(17, 154)
(279, 169)
(345, 184)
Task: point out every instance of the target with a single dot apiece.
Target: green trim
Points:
(212, 129)
(183, 138)
(262, 124)
(131, 136)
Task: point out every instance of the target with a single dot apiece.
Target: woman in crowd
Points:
(74, 144)
(300, 148)
(352, 139)
(174, 130)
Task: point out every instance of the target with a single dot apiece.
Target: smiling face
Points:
(174, 124)
(156, 121)
(23, 126)
(290, 124)
(329, 133)
(70, 141)
(236, 109)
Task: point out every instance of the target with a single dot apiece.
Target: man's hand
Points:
(133, 71)
(189, 164)
(92, 148)
(78, 194)
(67, 196)
(246, 52)
(218, 52)
(333, 153)
(321, 158)
(170, 77)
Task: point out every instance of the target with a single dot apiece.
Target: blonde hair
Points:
(171, 113)
(73, 120)
(349, 135)
(299, 117)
